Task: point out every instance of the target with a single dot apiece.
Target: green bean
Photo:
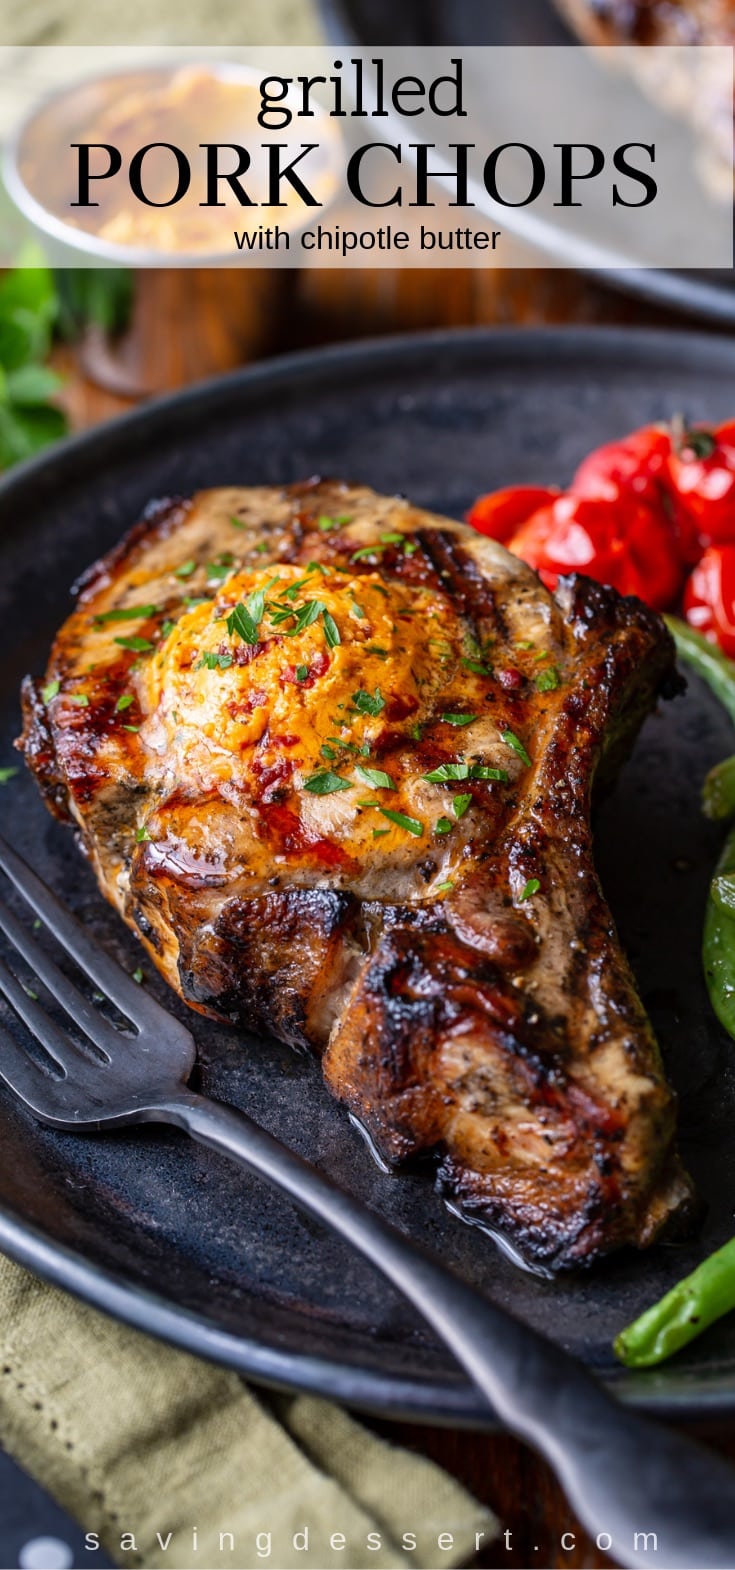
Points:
(709, 1292)
(718, 940)
(718, 791)
(722, 891)
(685, 1311)
(707, 660)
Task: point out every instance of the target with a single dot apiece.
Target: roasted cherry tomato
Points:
(701, 476)
(709, 597)
(637, 463)
(500, 513)
(625, 543)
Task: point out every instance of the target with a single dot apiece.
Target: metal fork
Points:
(622, 1474)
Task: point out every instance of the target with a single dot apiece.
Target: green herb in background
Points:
(34, 304)
(28, 314)
(94, 296)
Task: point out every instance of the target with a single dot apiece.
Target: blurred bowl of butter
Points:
(166, 166)
(166, 169)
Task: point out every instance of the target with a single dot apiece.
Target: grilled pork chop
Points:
(331, 758)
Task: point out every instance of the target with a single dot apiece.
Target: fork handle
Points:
(623, 1475)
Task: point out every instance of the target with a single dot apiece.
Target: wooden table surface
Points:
(319, 307)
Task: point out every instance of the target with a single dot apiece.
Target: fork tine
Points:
(21, 1073)
(55, 1041)
(110, 977)
(99, 1030)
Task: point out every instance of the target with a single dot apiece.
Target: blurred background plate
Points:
(166, 1234)
(708, 294)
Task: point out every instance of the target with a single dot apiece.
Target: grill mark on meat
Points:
(457, 574)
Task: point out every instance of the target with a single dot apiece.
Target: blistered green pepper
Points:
(685, 1311)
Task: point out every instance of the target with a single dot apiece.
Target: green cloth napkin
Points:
(134, 1437)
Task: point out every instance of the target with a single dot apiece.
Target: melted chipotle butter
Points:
(340, 674)
(159, 109)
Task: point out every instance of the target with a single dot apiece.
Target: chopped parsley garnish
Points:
(464, 771)
(186, 569)
(411, 825)
(375, 777)
(358, 611)
(351, 746)
(7, 774)
(443, 888)
(394, 538)
(478, 666)
(532, 887)
(328, 752)
(307, 614)
(448, 771)
(511, 740)
(237, 523)
(326, 524)
(302, 674)
(219, 569)
(141, 835)
(374, 648)
(293, 588)
(378, 833)
(443, 826)
(138, 645)
(80, 698)
(124, 702)
(261, 547)
(138, 976)
(326, 783)
(443, 649)
(458, 719)
(478, 771)
(50, 691)
(331, 630)
(130, 613)
(548, 681)
(368, 703)
(214, 662)
(366, 551)
(255, 605)
(190, 600)
(245, 619)
(132, 728)
(460, 805)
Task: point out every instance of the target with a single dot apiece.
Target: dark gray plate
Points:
(708, 294)
(166, 1234)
